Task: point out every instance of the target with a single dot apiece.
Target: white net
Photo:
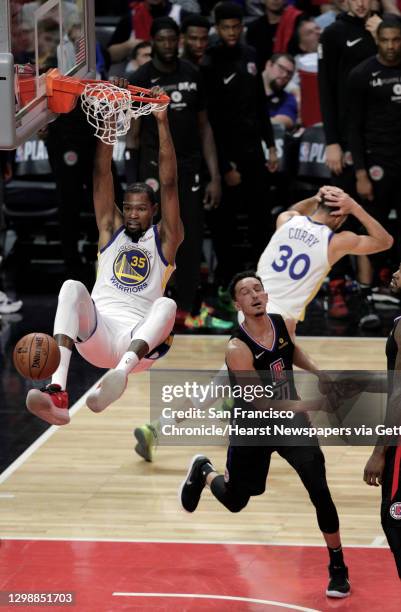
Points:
(110, 109)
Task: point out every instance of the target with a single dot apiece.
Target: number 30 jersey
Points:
(294, 265)
(131, 275)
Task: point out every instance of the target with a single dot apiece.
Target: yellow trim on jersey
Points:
(313, 293)
(167, 273)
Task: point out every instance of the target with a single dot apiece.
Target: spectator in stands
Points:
(195, 38)
(282, 105)
(343, 45)
(375, 126)
(329, 16)
(141, 54)
(192, 135)
(238, 113)
(48, 41)
(303, 46)
(7, 306)
(134, 27)
(272, 32)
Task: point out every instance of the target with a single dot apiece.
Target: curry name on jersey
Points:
(294, 264)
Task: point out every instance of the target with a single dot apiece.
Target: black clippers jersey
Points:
(391, 354)
(274, 362)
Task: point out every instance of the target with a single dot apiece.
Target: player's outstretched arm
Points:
(170, 227)
(349, 243)
(108, 217)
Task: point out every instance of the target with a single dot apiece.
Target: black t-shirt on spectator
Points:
(375, 114)
(260, 36)
(186, 91)
(237, 103)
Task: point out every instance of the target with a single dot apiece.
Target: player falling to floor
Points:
(260, 344)
(306, 245)
(296, 261)
(126, 323)
(384, 465)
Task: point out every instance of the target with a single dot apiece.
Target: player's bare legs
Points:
(153, 331)
(75, 318)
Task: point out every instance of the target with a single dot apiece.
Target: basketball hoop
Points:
(108, 108)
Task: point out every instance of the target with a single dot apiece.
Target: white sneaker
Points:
(110, 390)
(7, 306)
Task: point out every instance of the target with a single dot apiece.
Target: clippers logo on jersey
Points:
(395, 511)
(278, 372)
(131, 269)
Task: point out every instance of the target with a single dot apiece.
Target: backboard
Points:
(35, 36)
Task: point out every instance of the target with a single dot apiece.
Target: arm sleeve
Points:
(357, 92)
(327, 77)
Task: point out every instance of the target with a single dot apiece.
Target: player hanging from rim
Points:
(296, 261)
(384, 465)
(263, 344)
(126, 323)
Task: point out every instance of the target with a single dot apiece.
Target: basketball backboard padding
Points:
(40, 35)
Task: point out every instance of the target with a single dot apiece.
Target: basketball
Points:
(36, 356)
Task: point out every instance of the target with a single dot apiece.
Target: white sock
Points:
(60, 375)
(128, 362)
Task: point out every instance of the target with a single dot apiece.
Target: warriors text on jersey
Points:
(294, 264)
(131, 275)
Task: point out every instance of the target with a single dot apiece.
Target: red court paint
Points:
(291, 575)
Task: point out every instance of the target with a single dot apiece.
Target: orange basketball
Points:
(36, 356)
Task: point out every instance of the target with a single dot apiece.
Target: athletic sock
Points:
(128, 362)
(206, 469)
(336, 557)
(60, 375)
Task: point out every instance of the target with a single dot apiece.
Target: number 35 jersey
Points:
(131, 275)
(294, 265)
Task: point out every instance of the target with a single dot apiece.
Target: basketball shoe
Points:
(50, 404)
(146, 436)
(7, 306)
(339, 585)
(193, 484)
(110, 390)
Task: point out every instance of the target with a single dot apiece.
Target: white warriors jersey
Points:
(294, 265)
(131, 275)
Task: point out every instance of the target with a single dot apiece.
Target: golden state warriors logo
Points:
(131, 268)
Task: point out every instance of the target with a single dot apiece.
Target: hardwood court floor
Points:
(85, 481)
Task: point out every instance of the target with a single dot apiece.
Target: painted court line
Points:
(198, 542)
(43, 438)
(265, 602)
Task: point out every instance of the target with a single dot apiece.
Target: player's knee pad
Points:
(71, 290)
(168, 306)
(236, 503)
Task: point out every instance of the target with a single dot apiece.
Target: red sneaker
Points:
(337, 306)
(49, 404)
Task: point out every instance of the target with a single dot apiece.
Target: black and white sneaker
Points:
(192, 486)
(369, 317)
(339, 585)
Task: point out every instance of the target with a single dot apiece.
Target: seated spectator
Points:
(141, 54)
(303, 46)
(195, 38)
(134, 27)
(272, 32)
(276, 76)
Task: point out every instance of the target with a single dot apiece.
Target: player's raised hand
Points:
(160, 112)
(120, 82)
(342, 205)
